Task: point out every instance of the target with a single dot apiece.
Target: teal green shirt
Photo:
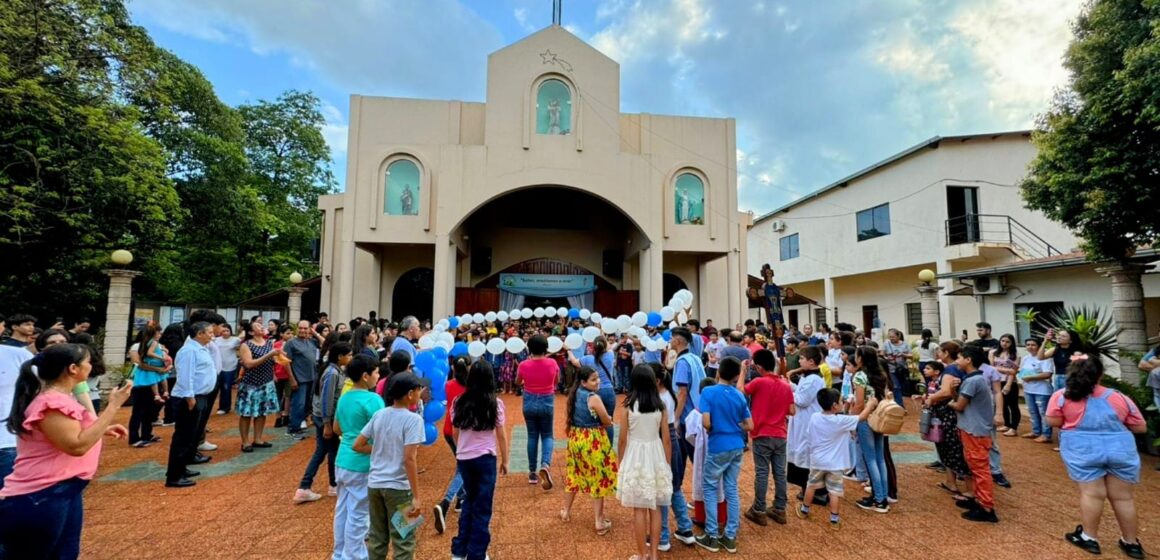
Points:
(355, 409)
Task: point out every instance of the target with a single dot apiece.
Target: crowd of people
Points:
(815, 410)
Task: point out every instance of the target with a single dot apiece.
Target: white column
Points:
(736, 287)
(831, 300)
(120, 303)
(1128, 312)
(652, 278)
(443, 302)
(294, 303)
(345, 301)
(945, 302)
(928, 300)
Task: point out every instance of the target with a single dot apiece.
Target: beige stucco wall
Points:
(472, 153)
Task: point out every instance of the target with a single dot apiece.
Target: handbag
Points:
(935, 433)
(924, 421)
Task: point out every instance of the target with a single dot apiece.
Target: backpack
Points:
(887, 417)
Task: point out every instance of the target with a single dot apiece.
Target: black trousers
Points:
(183, 447)
(204, 420)
(1011, 413)
(143, 414)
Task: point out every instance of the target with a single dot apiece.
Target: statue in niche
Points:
(684, 206)
(554, 117)
(407, 201)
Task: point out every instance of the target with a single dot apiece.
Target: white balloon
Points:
(650, 345)
(502, 316)
(514, 315)
(667, 313)
(443, 324)
(590, 334)
(683, 318)
(636, 332)
(426, 341)
(477, 318)
(476, 348)
(465, 319)
(673, 325)
(677, 303)
(585, 314)
(538, 313)
(445, 337)
(444, 345)
(574, 341)
(608, 325)
(639, 319)
(554, 343)
(526, 313)
(562, 312)
(496, 346)
(623, 322)
(687, 297)
(490, 317)
(549, 312)
(596, 318)
(515, 345)
(438, 329)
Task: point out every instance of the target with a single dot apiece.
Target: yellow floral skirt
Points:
(592, 462)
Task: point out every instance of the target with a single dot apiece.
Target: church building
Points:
(544, 195)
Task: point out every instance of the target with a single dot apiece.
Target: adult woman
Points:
(939, 395)
(364, 341)
(1097, 446)
(602, 360)
(537, 375)
(1067, 344)
(897, 353)
(227, 345)
(326, 393)
(870, 382)
(147, 376)
(926, 349)
(256, 395)
(59, 446)
(1005, 359)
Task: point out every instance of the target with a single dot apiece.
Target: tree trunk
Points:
(1128, 312)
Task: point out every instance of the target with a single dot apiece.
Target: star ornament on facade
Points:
(549, 57)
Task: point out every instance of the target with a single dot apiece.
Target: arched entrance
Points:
(672, 285)
(414, 294)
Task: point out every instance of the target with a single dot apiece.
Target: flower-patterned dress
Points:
(646, 477)
(256, 393)
(592, 462)
(950, 449)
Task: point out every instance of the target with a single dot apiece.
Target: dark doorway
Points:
(793, 318)
(869, 318)
(962, 215)
(672, 285)
(414, 294)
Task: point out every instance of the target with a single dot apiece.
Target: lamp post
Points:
(294, 298)
(118, 308)
(928, 300)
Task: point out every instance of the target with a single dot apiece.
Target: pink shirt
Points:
(474, 444)
(539, 375)
(1072, 411)
(39, 464)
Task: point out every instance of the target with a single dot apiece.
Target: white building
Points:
(951, 205)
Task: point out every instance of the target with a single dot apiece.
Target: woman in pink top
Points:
(538, 376)
(41, 511)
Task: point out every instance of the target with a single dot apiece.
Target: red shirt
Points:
(280, 372)
(539, 375)
(772, 397)
(453, 390)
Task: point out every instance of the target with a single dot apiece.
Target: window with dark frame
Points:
(1023, 331)
(914, 319)
(873, 222)
(789, 247)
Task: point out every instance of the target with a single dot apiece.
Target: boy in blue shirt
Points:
(726, 418)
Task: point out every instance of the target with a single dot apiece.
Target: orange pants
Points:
(977, 451)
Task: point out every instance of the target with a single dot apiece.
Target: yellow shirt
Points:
(346, 387)
(826, 374)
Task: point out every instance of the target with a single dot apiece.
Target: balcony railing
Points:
(1000, 229)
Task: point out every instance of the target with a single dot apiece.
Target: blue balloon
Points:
(654, 319)
(667, 335)
(453, 321)
(459, 349)
(431, 433)
(440, 354)
(425, 363)
(433, 411)
(573, 313)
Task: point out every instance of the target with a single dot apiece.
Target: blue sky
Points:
(819, 89)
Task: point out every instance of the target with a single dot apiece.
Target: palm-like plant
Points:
(1096, 329)
(1028, 317)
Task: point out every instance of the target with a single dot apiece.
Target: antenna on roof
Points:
(557, 12)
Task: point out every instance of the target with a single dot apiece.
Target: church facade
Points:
(546, 194)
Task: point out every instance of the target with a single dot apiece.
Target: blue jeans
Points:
(995, 458)
(226, 384)
(899, 377)
(44, 524)
(7, 460)
(1059, 381)
(724, 466)
(538, 415)
(1037, 406)
(324, 449)
(679, 505)
(608, 397)
(859, 462)
(874, 452)
(475, 516)
(455, 487)
(299, 400)
(622, 376)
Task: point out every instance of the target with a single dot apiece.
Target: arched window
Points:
(402, 188)
(553, 108)
(689, 196)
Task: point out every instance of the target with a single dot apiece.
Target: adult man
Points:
(302, 350)
(986, 341)
(23, 331)
(808, 332)
(82, 325)
(735, 348)
(217, 325)
(196, 375)
(697, 344)
(11, 358)
(409, 332)
(687, 376)
(709, 330)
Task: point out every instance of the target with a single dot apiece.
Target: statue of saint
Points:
(772, 303)
(684, 207)
(407, 201)
(554, 117)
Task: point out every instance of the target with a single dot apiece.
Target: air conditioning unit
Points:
(777, 225)
(989, 285)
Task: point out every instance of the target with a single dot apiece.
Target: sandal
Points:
(247, 449)
(604, 528)
(565, 516)
(1010, 433)
(952, 491)
(263, 444)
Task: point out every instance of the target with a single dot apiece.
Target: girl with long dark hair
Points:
(364, 340)
(453, 389)
(870, 383)
(646, 476)
(1098, 448)
(1005, 360)
(58, 449)
(1066, 344)
(478, 419)
(592, 463)
(604, 362)
(326, 393)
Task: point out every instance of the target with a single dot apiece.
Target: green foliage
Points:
(1029, 316)
(1142, 395)
(1097, 331)
(1097, 160)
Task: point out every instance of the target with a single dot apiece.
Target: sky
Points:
(819, 89)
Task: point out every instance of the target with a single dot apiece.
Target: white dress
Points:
(645, 479)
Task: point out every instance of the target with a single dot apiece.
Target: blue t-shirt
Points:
(402, 344)
(727, 409)
(697, 345)
(688, 373)
(604, 370)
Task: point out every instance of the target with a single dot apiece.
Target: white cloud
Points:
(334, 130)
(522, 19)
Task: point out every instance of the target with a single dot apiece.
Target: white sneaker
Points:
(664, 547)
(304, 496)
(332, 491)
(221, 413)
(207, 446)
(303, 426)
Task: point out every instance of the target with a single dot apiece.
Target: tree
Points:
(1098, 166)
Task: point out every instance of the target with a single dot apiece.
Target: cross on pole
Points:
(557, 12)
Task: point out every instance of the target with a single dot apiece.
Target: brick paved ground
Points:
(241, 508)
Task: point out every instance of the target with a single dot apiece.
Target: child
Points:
(678, 504)
(392, 439)
(325, 444)
(478, 419)
(727, 419)
(805, 396)
(354, 410)
(976, 414)
(772, 406)
(829, 442)
(646, 478)
(591, 460)
(453, 390)
(697, 437)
